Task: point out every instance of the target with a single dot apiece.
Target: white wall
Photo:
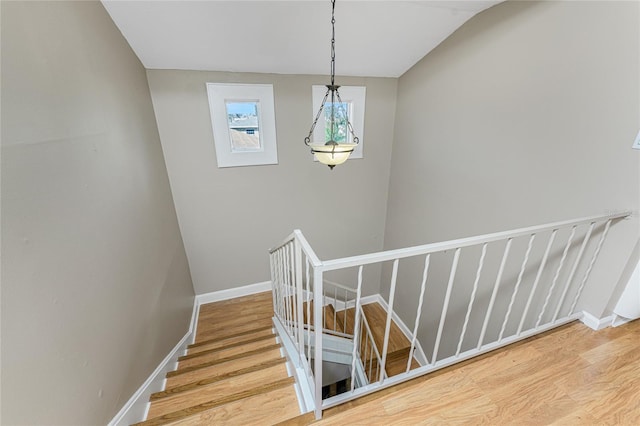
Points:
(95, 283)
(230, 217)
(524, 116)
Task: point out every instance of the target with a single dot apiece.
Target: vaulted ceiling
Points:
(373, 38)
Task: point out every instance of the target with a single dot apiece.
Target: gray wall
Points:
(230, 217)
(95, 284)
(524, 116)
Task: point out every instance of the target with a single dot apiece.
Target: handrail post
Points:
(317, 320)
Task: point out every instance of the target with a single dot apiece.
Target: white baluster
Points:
(423, 285)
(387, 329)
(445, 307)
(515, 290)
(573, 271)
(472, 298)
(495, 292)
(593, 260)
(555, 278)
(537, 280)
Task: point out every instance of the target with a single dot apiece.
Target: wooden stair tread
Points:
(202, 350)
(252, 301)
(218, 341)
(215, 378)
(218, 390)
(273, 407)
(226, 352)
(231, 328)
(214, 370)
(377, 319)
(222, 360)
(240, 407)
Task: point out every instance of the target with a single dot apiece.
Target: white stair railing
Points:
(527, 291)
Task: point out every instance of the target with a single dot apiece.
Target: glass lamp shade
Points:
(332, 153)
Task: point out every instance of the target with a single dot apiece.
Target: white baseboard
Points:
(619, 320)
(596, 323)
(232, 293)
(135, 410)
(418, 353)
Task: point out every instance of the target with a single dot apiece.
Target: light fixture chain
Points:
(355, 139)
(333, 41)
(307, 140)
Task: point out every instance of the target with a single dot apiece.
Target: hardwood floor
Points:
(234, 373)
(569, 376)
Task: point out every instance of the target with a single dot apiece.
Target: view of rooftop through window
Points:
(243, 118)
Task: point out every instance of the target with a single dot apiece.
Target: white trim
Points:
(136, 408)
(619, 320)
(596, 323)
(305, 399)
(418, 353)
(193, 326)
(232, 293)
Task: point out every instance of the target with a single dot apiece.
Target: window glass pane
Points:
(244, 132)
(341, 113)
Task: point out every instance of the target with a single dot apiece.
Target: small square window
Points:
(244, 127)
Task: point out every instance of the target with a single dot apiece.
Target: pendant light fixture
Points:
(332, 152)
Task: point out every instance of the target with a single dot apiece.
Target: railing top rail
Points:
(383, 256)
(341, 286)
(284, 242)
(304, 244)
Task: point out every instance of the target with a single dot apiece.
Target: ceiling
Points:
(373, 38)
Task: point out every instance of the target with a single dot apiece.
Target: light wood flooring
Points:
(234, 373)
(569, 376)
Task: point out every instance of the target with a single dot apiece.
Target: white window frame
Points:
(356, 95)
(221, 93)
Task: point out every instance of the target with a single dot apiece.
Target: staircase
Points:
(399, 345)
(234, 372)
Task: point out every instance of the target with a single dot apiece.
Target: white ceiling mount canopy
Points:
(377, 38)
